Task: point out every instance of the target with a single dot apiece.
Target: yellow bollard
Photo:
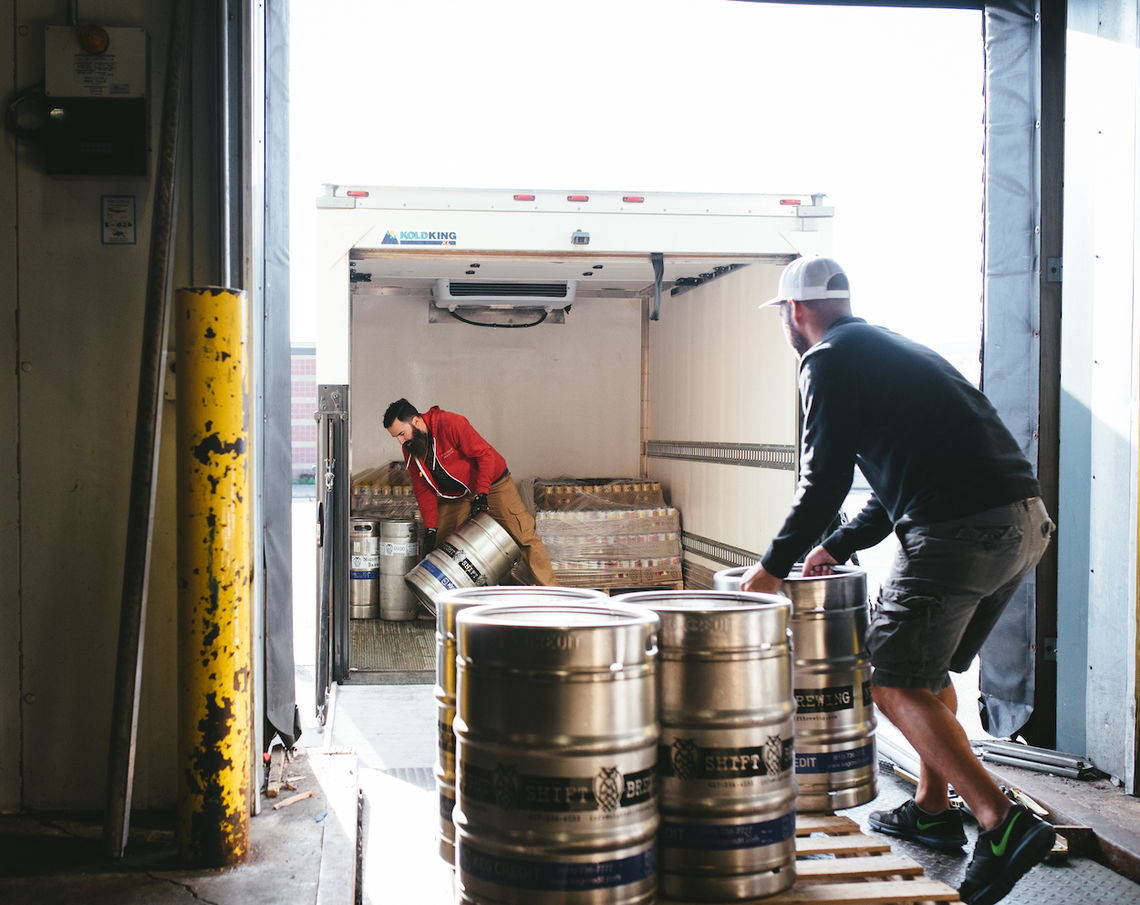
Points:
(214, 576)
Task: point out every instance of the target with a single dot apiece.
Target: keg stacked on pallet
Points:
(556, 734)
(449, 606)
(836, 767)
(725, 759)
(614, 533)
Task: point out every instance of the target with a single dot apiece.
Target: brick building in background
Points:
(304, 406)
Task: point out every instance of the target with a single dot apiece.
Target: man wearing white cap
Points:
(949, 480)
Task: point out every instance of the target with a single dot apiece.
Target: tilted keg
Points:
(477, 554)
(448, 606)
(399, 549)
(725, 761)
(364, 569)
(836, 766)
(556, 754)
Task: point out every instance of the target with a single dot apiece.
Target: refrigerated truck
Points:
(583, 334)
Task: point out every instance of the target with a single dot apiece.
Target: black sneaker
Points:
(908, 821)
(1004, 854)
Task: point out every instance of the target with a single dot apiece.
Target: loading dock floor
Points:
(392, 731)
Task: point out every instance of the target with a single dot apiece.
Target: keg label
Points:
(366, 561)
(433, 569)
(447, 549)
(446, 737)
(836, 761)
(607, 791)
(721, 837)
(364, 574)
(825, 700)
(387, 548)
(467, 566)
(685, 759)
(557, 876)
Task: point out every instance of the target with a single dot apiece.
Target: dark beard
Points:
(799, 342)
(418, 444)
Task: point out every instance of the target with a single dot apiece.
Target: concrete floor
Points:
(301, 853)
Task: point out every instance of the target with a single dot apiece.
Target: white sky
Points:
(881, 109)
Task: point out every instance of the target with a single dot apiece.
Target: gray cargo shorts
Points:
(946, 589)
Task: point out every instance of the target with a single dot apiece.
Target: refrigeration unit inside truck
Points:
(608, 344)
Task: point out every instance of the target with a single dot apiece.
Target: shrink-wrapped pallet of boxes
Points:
(383, 492)
(609, 532)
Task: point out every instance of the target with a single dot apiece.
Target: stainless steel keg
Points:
(364, 569)
(479, 553)
(725, 758)
(836, 766)
(448, 607)
(399, 551)
(556, 751)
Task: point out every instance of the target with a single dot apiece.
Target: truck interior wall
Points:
(556, 400)
(721, 372)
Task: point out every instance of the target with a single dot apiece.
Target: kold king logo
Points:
(420, 237)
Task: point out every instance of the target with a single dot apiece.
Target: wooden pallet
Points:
(863, 871)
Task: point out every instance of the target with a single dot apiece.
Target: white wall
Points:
(720, 371)
(556, 400)
(71, 339)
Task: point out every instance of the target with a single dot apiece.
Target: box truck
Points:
(589, 336)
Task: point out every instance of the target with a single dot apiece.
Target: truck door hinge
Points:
(1054, 268)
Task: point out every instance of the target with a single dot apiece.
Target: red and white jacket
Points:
(457, 448)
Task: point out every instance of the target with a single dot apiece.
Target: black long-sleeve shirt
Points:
(929, 443)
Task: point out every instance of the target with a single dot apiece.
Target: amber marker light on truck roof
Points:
(524, 197)
(789, 201)
(633, 199)
(577, 197)
(356, 193)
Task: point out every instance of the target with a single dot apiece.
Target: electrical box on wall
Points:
(95, 88)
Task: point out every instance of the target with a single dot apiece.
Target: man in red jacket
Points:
(456, 474)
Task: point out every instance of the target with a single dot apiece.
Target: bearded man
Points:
(457, 474)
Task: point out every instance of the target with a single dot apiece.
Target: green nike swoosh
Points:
(925, 826)
(999, 849)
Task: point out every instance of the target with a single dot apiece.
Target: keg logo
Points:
(447, 549)
(831, 699)
(686, 755)
(686, 759)
(506, 786)
(473, 573)
(774, 753)
(607, 788)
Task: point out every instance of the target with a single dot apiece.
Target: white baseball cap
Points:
(811, 278)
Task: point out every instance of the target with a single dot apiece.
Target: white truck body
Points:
(695, 390)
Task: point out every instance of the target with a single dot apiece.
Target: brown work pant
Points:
(506, 507)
